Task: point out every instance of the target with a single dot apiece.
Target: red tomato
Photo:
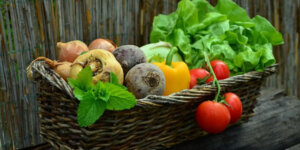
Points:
(212, 117)
(220, 69)
(236, 107)
(197, 73)
(210, 79)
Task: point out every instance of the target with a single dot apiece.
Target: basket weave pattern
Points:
(155, 122)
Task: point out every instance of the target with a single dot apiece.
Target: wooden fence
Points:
(31, 28)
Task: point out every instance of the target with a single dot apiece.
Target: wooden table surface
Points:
(275, 126)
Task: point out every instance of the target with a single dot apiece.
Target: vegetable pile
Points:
(224, 32)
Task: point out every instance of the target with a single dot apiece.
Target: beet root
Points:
(145, 79)
(129, 56)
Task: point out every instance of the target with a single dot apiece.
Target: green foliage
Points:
(95, 99)
(224, 32)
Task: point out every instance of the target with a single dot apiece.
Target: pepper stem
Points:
(170, 56)
(215, 78)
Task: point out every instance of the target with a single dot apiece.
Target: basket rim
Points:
(37, 68)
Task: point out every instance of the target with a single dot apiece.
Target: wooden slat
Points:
(14, 128)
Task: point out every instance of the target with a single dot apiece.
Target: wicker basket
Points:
(155, 122)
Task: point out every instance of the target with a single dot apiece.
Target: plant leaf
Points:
(83, 80)
(233, 11)
(89, 111)
(187, 14)
(162, 26)
(100, 92)
(181, 40)
(82, 83)
(225, 32)
(264, 27)
(120, 98)
(113, 78)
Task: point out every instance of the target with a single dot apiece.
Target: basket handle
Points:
(40, 69)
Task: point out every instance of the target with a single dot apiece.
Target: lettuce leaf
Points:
(267, 31)
(224, 32)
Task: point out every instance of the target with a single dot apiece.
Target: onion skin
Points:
(102, 44)
(61, 68)
(102, 62)
(71, 50)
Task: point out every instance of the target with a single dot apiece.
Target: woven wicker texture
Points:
(155, 122)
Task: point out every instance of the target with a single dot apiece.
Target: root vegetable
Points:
(129, 56)
(102, 44)
(62, 68)
(71, 50)
(145, 79)
(101, 62)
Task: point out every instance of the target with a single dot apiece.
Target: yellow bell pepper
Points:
(177, 74)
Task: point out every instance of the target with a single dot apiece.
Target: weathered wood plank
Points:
(33, 134)
(60, 16)
(34, 44)
(14, 127)
(50, 29)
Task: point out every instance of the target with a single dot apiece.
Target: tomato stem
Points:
(215, 78)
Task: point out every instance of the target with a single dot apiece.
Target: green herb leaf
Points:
(120, 98)
(82, 83)
(113, 78)
(94, 99)
(100, 92)
(90, 110)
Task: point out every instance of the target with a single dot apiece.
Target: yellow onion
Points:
(102, 44)
(71, 50)
(62, 68)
